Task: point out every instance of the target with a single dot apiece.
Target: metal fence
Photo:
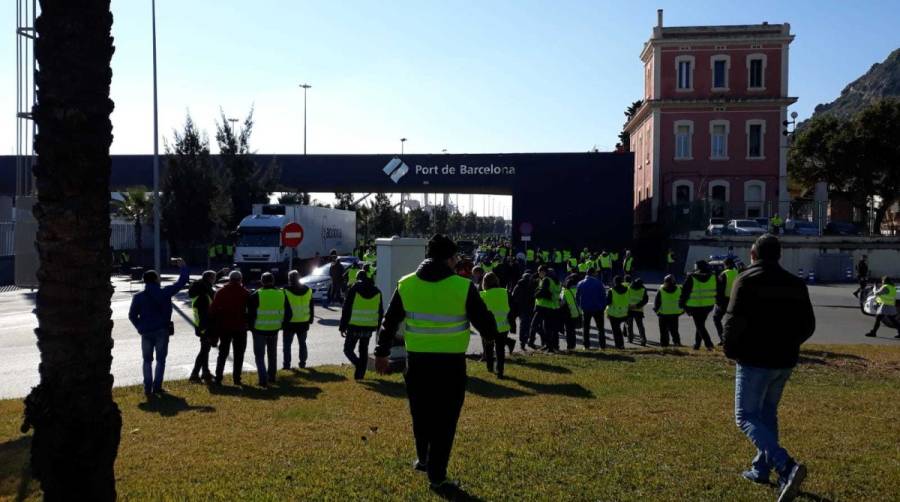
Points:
(809, 218)
(7, 240)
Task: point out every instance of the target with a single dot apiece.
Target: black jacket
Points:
(365, 288)
(523, 296)
(298, 289)
(769, 316)
(476, 311)
(688, 286)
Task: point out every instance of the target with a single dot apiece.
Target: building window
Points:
(684, 130)
(682, 192)
(754, 198)
(756, 130)
(718, 131)
(720, 65)
(756, 71)
(718, 198)
(684, 66)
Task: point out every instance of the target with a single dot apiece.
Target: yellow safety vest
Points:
(888, 295)
(352, 274)
(668, 304)
(497, 301)
(365, 311)
(197, 311)
(635, 295)
(629, 261)
(703, 294)
(270, 314)
(552, 302)
(568, 297)
(730, 275)
(605, 261)
(436, 318)
(299, 305)
(618, 309)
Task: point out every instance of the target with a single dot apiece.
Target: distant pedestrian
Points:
(637, 298)
(546, 311)
(769, 316)
(886, 298)
(523, 306)
(670, 262)
(628, 263)
(667, 309)
(590, 295)
(617, 309)
(496, 298)
(151, 315)
(698, 296)
(266, 314)
(228, 314)
(299, 313)
(724, 285)
(201, 295)
(862, 276)
(336, 271)
(360, 317)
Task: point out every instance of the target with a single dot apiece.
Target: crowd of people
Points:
(762, 314)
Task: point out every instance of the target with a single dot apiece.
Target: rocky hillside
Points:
(882, 80)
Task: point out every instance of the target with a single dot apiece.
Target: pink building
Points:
(709, 133)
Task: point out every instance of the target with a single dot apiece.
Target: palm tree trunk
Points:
(138, 238)
(76, 424)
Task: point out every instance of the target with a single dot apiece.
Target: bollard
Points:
(812, 278)
(800, 274)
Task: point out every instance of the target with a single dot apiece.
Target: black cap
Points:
(440, 248)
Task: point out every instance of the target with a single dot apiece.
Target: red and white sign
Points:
(292, 235)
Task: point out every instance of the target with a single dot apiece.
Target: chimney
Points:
(659, 18)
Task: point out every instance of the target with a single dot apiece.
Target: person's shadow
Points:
(457, 494)
(169, 405)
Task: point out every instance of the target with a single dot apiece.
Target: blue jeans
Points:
(155, 341)
(287, 339)
(757, 392)
(264, 343)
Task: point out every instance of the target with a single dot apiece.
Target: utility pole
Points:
(305, 87)
(156, 201)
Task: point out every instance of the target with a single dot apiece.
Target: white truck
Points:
(259, 246)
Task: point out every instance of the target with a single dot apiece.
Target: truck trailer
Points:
(259, 248)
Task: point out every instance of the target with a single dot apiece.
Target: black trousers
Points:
(597, 317)
(718, 315)
(227, 339)
(570, 323)
(615, 324)
(201, 363)
(878, 320)
(544, 322)
(436, 387)
(668, 326)
(636, 318)
(358, 337)
(699, 315)
(496, 350)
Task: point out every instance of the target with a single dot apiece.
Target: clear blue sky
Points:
(475, 76)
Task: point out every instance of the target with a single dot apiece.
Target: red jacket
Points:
(228, 310)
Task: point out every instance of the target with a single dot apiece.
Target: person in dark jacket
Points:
(265, 316)
(591, 299)
(337, 280)
(862, 275)
(228, 315)
(698, 296)
(523, 306)
(201, 295)
(151, 315)
(769, 316)
(435, 381)
(293, 327)
(357, 325)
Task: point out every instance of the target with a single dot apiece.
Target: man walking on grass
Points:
(769, 316)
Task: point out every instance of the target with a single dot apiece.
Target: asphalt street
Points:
(838, 319)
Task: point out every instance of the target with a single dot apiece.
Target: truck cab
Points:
(259, 248)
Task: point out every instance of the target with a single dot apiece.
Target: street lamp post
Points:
(156, 202)
(402, 143)
(305, 87)
(233, 126)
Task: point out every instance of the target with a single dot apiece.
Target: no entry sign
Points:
(292, 235)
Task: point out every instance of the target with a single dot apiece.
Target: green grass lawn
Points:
(619, 425)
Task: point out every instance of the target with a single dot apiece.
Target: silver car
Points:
(743, 227)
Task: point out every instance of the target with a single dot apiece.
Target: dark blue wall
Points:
(571, 199)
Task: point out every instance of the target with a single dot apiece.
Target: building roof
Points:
(717, 34)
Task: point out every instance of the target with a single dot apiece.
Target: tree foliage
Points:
(136, 207)
(624, 137)
(386, 220)
(196, 204)
(344, 200)
(859, 156)
(301, 198)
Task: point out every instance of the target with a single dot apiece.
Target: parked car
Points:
(763, 223)
(743, 227)
(716, 225)
(801, 227)
(842, 228)
(319, 280)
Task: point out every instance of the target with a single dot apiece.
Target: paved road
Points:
(838, 319)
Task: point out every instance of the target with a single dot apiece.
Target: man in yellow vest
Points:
(360, 317)
(496, 297)
(886, 297)
(605, 266)
(546, 311)
(437, 307)
(724, 285)
(298, 315)
(628, 263)
(698, 296)
(266, 315)
(637, 298)
(570, 313)
(201, 294)
(667, 309)
(670, 262)
(617, 309)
